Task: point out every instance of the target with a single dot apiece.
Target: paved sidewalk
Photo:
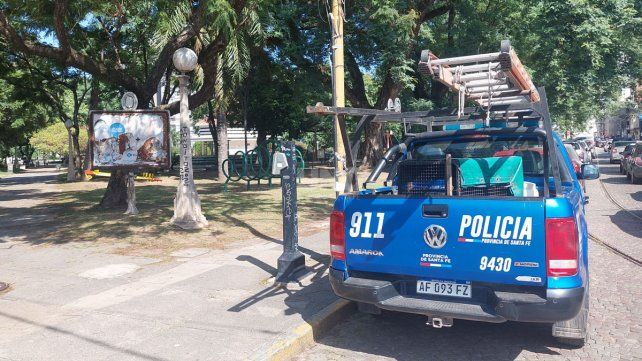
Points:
(84, 304)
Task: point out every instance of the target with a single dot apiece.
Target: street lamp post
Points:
(71, 172)
(187, 204)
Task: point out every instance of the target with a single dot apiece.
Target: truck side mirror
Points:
(590, 171)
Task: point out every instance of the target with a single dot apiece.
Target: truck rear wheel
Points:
(574, 331)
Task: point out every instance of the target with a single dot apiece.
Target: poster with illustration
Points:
(136, 139)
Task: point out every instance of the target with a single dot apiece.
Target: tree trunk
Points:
(211, 123)
(261, 137)
(77, 159)
(116, 194)
(94, 104)
(373, 150)
(131, 194)
(222, 149)
(71, 174)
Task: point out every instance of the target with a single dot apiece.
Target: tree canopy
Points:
(265, 60)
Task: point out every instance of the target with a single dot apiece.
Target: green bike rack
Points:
(256, 165)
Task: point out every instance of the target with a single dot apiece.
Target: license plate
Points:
(445, 288)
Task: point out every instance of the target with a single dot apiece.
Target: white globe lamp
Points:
(184, 60)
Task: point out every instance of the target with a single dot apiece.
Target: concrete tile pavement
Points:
(200, 305)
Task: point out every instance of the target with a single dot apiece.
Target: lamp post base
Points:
(289, 265)
(187, 209)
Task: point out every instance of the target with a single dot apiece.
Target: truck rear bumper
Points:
(559, 304)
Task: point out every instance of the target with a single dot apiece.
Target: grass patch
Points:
(236, 215)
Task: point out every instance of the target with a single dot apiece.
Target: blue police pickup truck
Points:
(485, 223)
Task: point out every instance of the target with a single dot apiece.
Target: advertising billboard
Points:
(129, 139)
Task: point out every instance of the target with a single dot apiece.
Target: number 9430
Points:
(497, 264)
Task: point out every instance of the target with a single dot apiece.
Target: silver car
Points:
(633, 168)
(615, 155)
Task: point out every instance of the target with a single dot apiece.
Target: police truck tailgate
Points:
(448, 239)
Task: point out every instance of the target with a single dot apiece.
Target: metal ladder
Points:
(487, 79)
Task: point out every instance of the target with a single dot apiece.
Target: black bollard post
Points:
(292, 260)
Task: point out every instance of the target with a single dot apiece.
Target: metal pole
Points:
(339, 96)
(292, 260)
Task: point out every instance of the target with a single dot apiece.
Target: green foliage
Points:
(53, 139)
(20, 116)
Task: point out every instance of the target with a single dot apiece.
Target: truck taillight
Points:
(337, 235)
(561, 247)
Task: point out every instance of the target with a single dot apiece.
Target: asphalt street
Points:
(615, 321)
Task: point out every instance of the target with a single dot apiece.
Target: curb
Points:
(303, 335)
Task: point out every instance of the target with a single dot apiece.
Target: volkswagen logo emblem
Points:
(435, 236)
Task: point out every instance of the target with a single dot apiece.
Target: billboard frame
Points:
(165, 115)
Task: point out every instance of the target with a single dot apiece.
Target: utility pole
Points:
(340, 166)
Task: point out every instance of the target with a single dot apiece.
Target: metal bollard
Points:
(292, 260)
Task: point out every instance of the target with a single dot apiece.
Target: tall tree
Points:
(129, 46)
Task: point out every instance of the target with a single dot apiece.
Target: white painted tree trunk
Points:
(187, 204)
(9, 161)
(71, 168)
(131, 194)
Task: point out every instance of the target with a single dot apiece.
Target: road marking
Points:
(143, 286)
(110, 271)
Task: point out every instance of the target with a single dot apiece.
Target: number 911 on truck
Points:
(481, 216)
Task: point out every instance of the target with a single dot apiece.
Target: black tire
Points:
(578, 325)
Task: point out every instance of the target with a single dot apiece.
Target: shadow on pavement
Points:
(306, 297)
(628, 223)
(620, 179)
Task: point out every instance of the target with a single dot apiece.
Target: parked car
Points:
(600, 142)
(577, 163)
(634, 164)
(626, 154)
(616, 149)
(579, 150)
(589, 148)
(575, 158)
